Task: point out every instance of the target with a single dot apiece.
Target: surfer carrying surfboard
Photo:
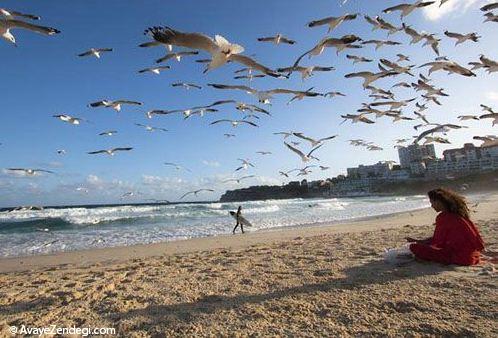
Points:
(238, 216)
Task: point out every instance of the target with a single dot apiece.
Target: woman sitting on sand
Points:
(456, 239)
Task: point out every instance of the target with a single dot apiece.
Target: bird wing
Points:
(97, 104)
(150, 44)
(97, 152)
(136, 103)
(219, 121)
(270, 38)
(312, 150)
(297, 151)
(222, 86)
(248, 122)
(300, 135)
(122, 149)
(170, 36)
(395, 8)
(88, 52)
(289, 41)
(249, 62)
(31, 27)
(187, 193)
(104, 49)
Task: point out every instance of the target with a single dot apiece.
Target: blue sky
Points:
(43, 76)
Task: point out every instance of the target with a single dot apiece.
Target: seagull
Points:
(82, 189)
(489, 140)
(489, 7)
(490, 65)
(245, 164)
(195, 192)
(406, 9)
(128, 194)
(149, 128)
(304, 157)
(333, 94)
(29, 171)
(241, 106)
(357, 118)
(176, 166)
(235, 123)
(493, 116)
(185, 85)
(177, 56)
(380, 43)
(61, 152)
(358, 59)
(277, 39)
(323, 167)
(314, 142)
(461, 38)
(374, 148)
(347, 41)
(108, 133)
(249, 77)
(155, 44)
(286, 174)
(155, 70)
(449, 66)
(304, 171)
(401, 84)
(95, 52)
(305, 71)
(402, 57)
(109, 151)
(151, 113)
(436, 139)
(369, 77)
(431, 40)
(393, 104)
(285, 133)
(229, 135)
(6, 24)
(68, 119)
(487, 108)
(8, 14)
(264, 152)
(468, 117)
(238, 179)
(332, 22)
(116, 105)
(422, 117)
(396, 67)
(442, 128)
(416, 36)
(220, 49)
(491, 17)
(378, 22)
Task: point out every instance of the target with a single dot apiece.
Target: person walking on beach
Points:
(237, 217)
(456, 239)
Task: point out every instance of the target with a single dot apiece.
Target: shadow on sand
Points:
(372, 273)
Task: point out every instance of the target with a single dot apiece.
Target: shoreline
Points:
(102, 255)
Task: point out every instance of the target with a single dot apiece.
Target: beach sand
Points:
(313, 281)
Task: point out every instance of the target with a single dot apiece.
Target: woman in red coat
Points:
(456, 239)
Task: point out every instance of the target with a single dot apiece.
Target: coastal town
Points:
(418, 166)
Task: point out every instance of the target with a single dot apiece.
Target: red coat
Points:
(456, 240)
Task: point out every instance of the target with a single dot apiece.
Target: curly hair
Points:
(452, 201)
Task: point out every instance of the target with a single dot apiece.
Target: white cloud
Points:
(492, 96)
(434, 12)
(214, 164)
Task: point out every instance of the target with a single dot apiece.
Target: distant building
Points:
(378, 170)
(415, 153)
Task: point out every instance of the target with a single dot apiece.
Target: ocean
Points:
(51, 230)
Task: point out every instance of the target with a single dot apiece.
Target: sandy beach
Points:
(328, 280)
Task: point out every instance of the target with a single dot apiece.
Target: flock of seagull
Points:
(221, 51)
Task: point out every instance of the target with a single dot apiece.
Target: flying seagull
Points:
(304, 157)
(461, 38)
(176, 166)
(116, 105)
(406, 9)
(108, 133)
(68, 119)
(155, 70)
(264, 152)
(235, 123)
(332, 22)
(358, 59)
(109, 151)
(277, 39)
(150, 128)
(8, 14)
(185, 85)
(220, 49)
(7, 24)
(195, 192)
(305, 71)
(369, 77)
(177, 56)
(238, 179)
(95, 52)
(29, 171)
(314, 142)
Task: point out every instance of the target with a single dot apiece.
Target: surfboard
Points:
(242, 220)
